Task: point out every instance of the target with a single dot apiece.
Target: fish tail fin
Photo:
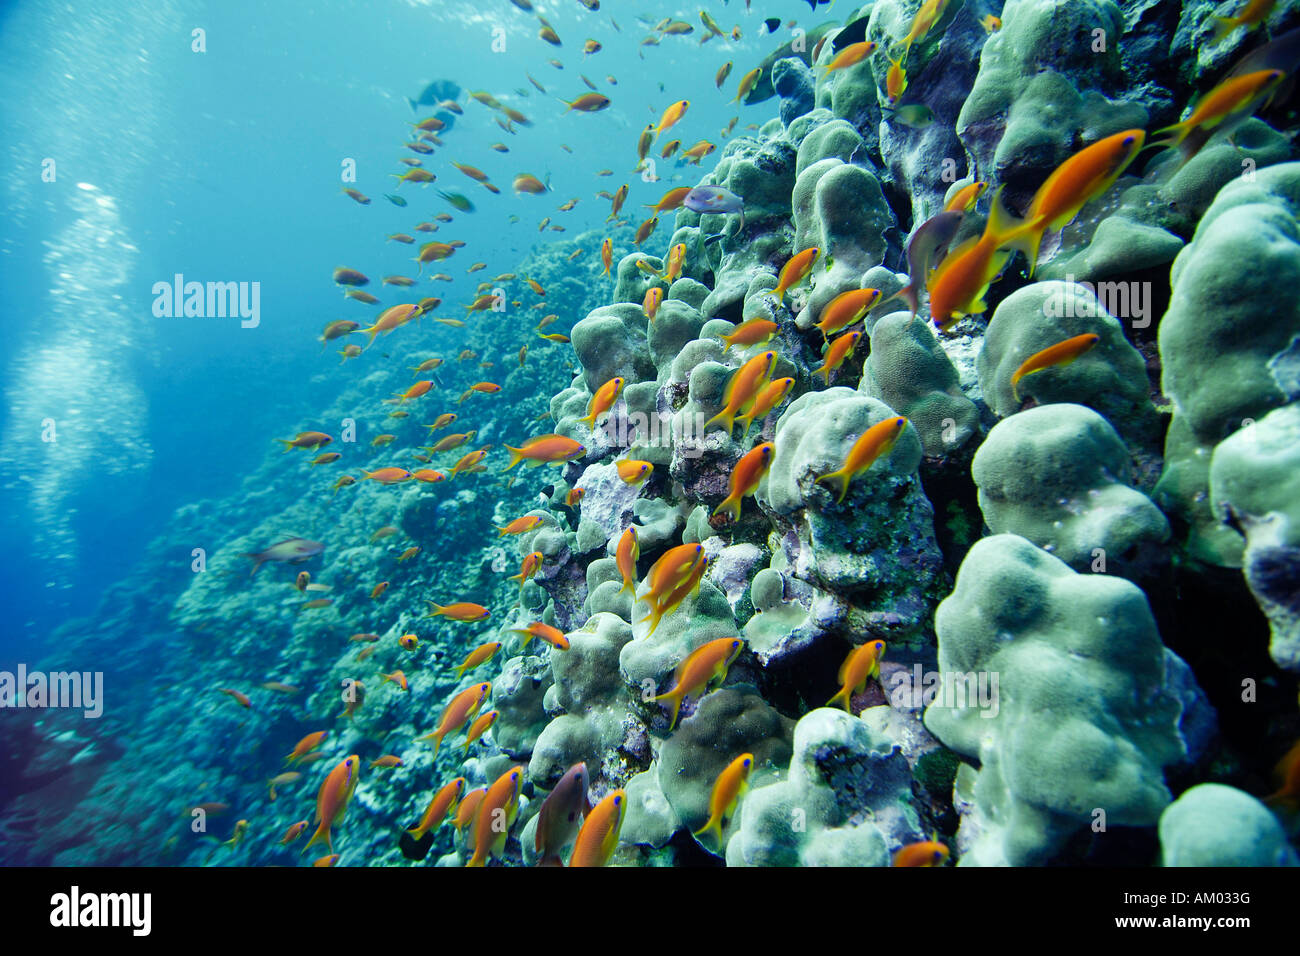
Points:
(1009, 232)
(257, 560)
(839, 478)
(712, 828)
(437, 744)
(908, 294)
(726, 416)
(842, 696)
(1222, 27)
(674, 701)
(516, 456)
(322, 833)
(285, 442)
(731, 505)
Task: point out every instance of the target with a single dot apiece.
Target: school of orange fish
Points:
(954, 281)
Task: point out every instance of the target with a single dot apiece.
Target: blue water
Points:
(224, 165)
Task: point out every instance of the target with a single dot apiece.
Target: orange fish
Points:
(895, 81)
(770, 396)
(458, 712)
(1083, 177)
(452, 441)
(293, 832)
(851, 54)
(958, 284)
(306, 746)
(443, 803)
(671, 116)
(461, 611)
(1058, 355)
(846, 309)
(839, 350)
(795, 271)
(378, 590)
(629, 550)
(672, 578)
(241, 699)
(751, 332)
(467, 811)
(598, 838)
(862, 664)
(306, 440)
(332, 800)
(480, 655)
(742, 387)
(397, 677)
(965, 198)
(532, 561)
(653, 296)
(645, 230)
(520, 525)
(480, 726)
(706, 666)
(745, 477)
(727, 790)
(928, 853)
(415, 391)
(602, 401)
(467, 462)
(551, 635)
(607, 254)
(1287, 772)
(747, 83)
(388, 476)
(875, 442)
(633, 471)
(573, 496)
(670, 200)
(1252, 15)
(386, 762)
(546, 449)
(497, 812)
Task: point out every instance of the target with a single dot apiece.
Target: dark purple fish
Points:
(561, 816)
(714, 200)
(926, 245)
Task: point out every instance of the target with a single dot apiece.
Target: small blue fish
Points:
(395, 200)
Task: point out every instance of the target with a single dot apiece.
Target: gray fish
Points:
(714, 200)
(292, 550)
(926, 245)
(561, 815)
